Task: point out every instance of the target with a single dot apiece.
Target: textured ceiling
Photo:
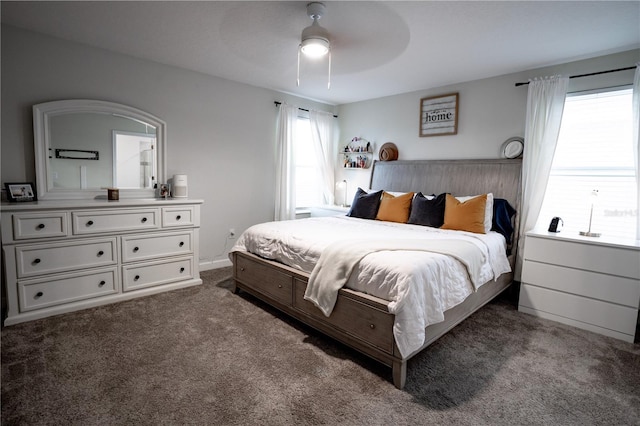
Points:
(379, 48)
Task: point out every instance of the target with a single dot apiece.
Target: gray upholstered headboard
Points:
(502, 177)
(458, 177)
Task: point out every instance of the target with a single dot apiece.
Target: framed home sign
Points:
(439, 115)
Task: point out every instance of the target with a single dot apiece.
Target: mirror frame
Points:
(42, 143)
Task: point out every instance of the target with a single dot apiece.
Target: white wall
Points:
(220, 133)
(490, 111)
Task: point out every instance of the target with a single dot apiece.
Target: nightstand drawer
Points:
(576, 308)
(591, 257)
(39, 225)
(150, 274)
(610, 288)
(141, 247)
(38, 259)
(51, 291)
(94, 222)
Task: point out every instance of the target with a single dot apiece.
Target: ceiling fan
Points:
(315, 41)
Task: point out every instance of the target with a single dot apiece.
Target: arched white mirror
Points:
(84, 146)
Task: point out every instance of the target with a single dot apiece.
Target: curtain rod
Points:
(301, 109)
(587, 75)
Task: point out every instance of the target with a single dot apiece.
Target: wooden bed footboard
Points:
(358, 320)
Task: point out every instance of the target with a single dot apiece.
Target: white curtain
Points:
(322, 132)
(545, 104)
(285, 166)
(636, 141)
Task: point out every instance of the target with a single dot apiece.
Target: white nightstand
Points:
(590, 283)
(329, 210)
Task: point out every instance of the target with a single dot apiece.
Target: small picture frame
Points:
(21, 191)
(164, 190)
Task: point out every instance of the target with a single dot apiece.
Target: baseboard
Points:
(214, 264)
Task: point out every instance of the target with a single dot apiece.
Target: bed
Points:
(366, 319)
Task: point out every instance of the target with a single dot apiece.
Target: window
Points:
(308, 191)
(594, 152)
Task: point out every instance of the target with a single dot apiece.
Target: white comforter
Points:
(419, 285)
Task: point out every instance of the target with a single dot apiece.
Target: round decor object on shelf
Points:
(513, 147)
(388, 152)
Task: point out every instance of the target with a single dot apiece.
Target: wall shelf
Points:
(357, 154)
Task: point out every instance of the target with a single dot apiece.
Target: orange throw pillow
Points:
(395, 209)
(466, 216)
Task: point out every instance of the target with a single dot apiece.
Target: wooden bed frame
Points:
(361, 321)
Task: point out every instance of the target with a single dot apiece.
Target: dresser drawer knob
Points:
(135, 249)
(144, 219)
(36, 261)
(100, 253)
(178, 217)
(103, 282)
(38, 295)
(279, 285)
(241, 269)
(372, 326)
(181, 243)
(41, 226)
(136, 278)
(90, 223)
(181, 270)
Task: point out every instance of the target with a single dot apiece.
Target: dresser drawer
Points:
(577, 308)
(359, 320)
(178, 216)
(142, 247)
(101, 221)
(37, 259)
(39, 225)
(264, 279)
(51, 291)
(609, 288)
(598, 258)
(150, 274)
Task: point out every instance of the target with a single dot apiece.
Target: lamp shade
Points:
(315, 40)
(340, 195)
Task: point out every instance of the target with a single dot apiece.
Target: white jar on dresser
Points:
(590, 283)
(63, 256)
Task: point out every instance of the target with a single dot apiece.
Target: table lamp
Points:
(593, 199)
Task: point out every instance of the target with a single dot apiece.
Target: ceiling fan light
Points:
(315, 40)
(315, 47)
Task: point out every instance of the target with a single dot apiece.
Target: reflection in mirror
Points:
(85, 146)
(134, 159)
(83, 133)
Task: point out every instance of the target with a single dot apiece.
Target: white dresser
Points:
(63, 256)
(590, 283)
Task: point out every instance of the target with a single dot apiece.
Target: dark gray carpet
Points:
(205, 356)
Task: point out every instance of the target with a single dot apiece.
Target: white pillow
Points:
(488, 210)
